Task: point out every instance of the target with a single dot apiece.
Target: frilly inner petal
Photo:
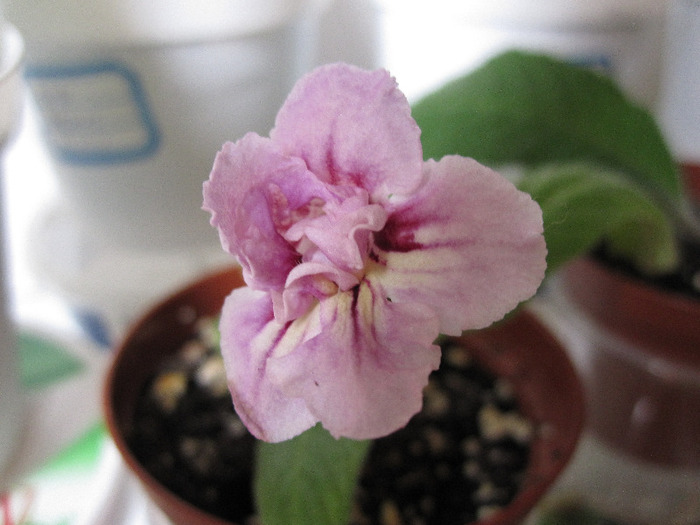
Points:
(307, 284)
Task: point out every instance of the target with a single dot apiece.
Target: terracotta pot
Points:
(520, 349)
(691, 177)
(159, 333)
(643, 385)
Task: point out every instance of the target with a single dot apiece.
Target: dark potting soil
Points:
(187, 435)
(684, 280)
(460, 459)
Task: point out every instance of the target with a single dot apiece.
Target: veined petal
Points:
(352, 126)
(251, 187)
(469, 245)
(307, 283)
(363, 375)
(250, 336)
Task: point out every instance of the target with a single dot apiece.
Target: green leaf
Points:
(80, 456)
(42, 362)
(583, 204)
(309, 480)
(523, 108)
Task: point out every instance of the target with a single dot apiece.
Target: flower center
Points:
(333, 237)
(338, 230)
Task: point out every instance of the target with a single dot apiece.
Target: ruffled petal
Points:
(343, 233)
(251, 193)
(364, 374)
(306, 284)
(469, 245)
(249, 337)
(352, 126)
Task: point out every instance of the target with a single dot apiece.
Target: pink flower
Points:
(357, 254)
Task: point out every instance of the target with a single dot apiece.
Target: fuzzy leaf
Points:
(583, 204)
(522, 108)
(308, 480)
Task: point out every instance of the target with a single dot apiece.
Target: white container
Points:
(680, 87)
(349, 32)
(136, 98)
(133, 100)
(11, 55)
(11, 52)
(429, 42)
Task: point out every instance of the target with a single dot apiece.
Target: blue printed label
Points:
(94, 113)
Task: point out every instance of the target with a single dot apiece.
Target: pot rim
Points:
(662, 323)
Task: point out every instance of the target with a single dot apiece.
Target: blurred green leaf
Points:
(532, 109)
(309, 480)
(615, 180)
(583, 204)
(43, 362)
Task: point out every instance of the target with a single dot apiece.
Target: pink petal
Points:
(251, 189)
(308, 283)
(343, 233)
(469, 245)
(352, 126)
(363, 375)
(249, 337)
(357, 362)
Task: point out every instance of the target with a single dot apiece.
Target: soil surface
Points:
(460, 459)
(685, 280)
